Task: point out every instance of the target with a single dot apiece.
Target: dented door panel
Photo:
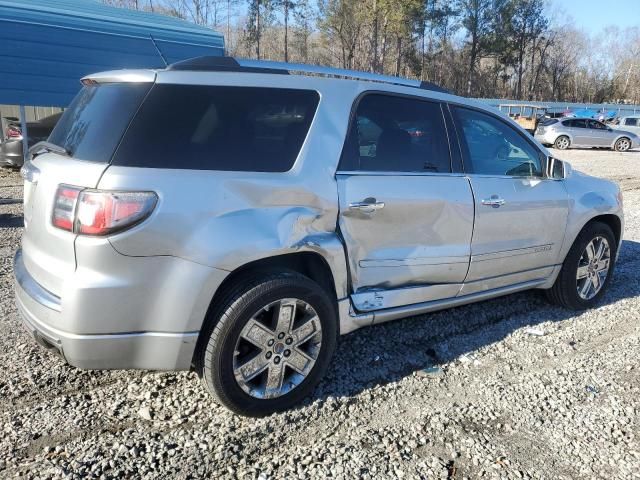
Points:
(420, 238)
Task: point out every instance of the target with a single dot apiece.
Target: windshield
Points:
(94, 123)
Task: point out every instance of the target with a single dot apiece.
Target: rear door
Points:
(405, 217)
(580, 133)
(520, 216)
(90, 131)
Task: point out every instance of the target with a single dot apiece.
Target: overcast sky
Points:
(594, 15)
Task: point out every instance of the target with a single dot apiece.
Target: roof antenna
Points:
(158, 50)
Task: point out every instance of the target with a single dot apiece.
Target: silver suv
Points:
(234, 218)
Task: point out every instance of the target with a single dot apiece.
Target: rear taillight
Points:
(13, 132)
(99, 212)
(64, 207)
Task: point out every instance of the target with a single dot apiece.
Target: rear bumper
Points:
(544, 138)
(42, 312)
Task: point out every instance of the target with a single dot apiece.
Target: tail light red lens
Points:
(13, 132)
(64, 207)
(99, 212)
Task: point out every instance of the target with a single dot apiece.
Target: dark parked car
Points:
(11, 145)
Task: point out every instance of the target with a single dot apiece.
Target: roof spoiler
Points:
(120, 76)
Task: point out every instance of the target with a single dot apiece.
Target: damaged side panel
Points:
(227, 219)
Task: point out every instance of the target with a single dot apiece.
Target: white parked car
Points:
(629, 124)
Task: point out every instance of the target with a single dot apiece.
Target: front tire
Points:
(562, 142)
(587, 269)
(622, 144)
(271, 343)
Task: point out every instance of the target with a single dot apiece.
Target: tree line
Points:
(515, 49)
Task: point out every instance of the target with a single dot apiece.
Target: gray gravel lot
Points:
(508, 404)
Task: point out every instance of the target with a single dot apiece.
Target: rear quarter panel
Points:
(228, 219)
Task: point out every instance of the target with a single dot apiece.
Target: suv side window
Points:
(210, 127)
(579, 123)
(495, 148)
(397, 134)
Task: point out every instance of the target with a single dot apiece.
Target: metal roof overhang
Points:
(47, 46)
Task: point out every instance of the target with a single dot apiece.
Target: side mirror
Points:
(557, 169)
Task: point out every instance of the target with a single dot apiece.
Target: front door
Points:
(599, 134)
(405, 217)
(520, 215)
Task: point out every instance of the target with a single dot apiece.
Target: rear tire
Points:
(622, 144)
(253, 312)
(575, 288)
(562, 142)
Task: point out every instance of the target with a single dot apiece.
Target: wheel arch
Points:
(563, 134)
(610, 219)
(308, 263)
(620, 136)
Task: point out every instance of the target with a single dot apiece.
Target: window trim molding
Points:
(385, 173)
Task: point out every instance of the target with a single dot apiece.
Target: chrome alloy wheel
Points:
(277, 348)
(623, 145)
(593, 268)
(562, 143)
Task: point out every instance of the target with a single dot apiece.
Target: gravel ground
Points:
(504, 404)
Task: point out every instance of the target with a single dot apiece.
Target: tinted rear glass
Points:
(548, 121)
(92, 126)
(397, 134)
(218, 128)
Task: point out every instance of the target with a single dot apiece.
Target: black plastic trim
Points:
(219, 64)
(424, 85)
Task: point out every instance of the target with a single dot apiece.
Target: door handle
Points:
(368, 205)
(494, 201)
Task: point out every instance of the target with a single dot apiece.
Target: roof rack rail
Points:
(230, 64)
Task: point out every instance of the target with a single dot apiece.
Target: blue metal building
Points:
(46, 46)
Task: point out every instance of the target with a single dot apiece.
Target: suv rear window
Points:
(218, 128)
(92, 126)
(545, 122)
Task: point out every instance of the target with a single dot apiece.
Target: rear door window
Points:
(204, 127)
(397, 134)
(91, 128)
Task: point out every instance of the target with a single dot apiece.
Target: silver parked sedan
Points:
(282, 211)
(584, 132)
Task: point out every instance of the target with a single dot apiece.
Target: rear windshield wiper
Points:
(48, 147)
